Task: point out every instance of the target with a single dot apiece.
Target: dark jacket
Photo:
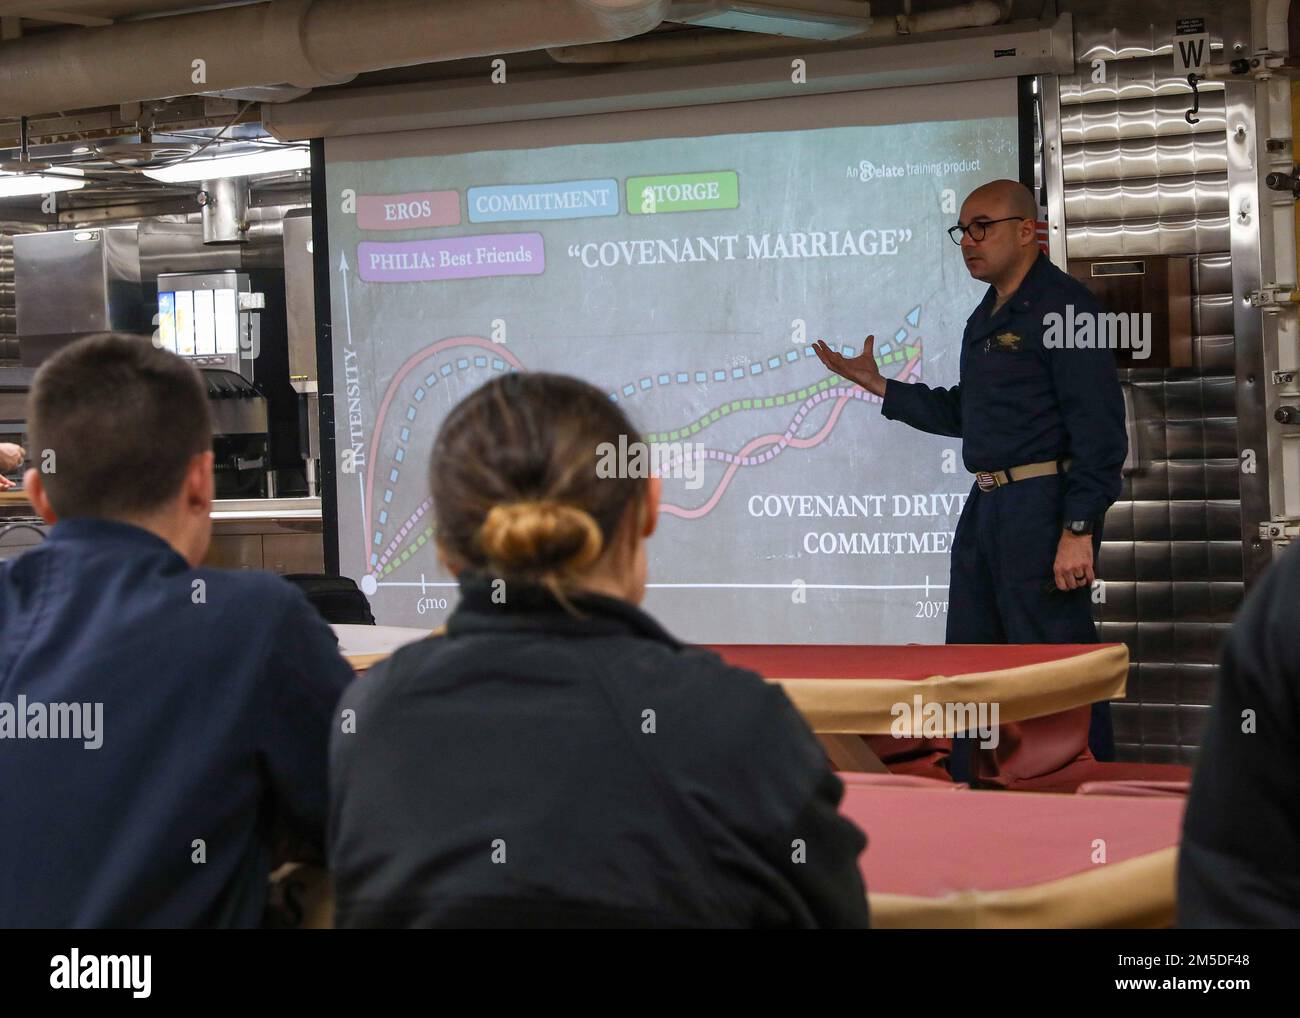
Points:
(1239, 865)
(533, 769)
(215, 690)
(1019, 401)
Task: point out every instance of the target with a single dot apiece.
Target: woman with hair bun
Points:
(556, 758)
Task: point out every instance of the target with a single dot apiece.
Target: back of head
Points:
(514, 478)
(113, 424)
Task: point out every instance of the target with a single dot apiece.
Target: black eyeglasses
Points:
(977, 229)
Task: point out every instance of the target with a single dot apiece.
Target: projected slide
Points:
(687, 278)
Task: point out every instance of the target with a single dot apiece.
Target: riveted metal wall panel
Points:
(1138, 179)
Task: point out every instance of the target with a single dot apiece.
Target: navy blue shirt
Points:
(1020, 402)
(217, 700)
(534, 767)
(1239, 863)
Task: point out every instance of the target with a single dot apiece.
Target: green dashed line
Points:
(408, 551)
(766, 402)
(737, 405)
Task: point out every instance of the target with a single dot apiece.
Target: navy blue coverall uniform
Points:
(216, 714)
(1239, 861)
(1019, 402)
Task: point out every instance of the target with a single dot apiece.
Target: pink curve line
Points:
(759, 458)
(756, 443)
(402, 372)
(750, 446)
(733, 459)
(713, 454)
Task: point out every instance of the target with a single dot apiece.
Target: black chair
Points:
(338, 599)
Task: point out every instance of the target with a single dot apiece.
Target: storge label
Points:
(683, 192)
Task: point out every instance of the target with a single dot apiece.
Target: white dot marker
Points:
(369, 584)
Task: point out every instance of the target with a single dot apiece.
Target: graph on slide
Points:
(687, 278)
(399, 524)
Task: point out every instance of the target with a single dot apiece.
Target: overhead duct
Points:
(681, 46)
(179, 247)
(1001, 51)
(305, 43)
(800, 19)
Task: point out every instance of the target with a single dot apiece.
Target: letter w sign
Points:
(1191, 47)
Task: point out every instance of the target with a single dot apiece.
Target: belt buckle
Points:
(986, 480)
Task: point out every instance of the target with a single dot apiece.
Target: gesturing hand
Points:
(860, 369)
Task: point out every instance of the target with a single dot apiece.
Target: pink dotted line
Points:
(783, 442)
(405, 529)
(719, 455)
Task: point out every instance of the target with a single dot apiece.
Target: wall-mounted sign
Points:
(1191, 47)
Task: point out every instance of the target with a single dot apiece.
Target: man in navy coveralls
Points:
(193, 704)
(1042, 428)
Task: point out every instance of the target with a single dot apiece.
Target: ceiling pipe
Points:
(305, 43)
(679, 46)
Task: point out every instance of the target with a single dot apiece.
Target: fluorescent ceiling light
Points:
(271, 160)
(13, 185)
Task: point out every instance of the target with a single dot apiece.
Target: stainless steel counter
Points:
(279, 534)
(266, 508)
(290, 511)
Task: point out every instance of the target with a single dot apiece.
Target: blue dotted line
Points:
(722, 374)
(417, 397)
(665, 378)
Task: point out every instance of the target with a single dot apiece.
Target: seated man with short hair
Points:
(160, 722)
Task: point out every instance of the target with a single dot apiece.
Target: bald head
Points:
(1005, 198)
(1008, 243)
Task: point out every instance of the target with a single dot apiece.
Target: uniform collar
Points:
(529, 606)
(1026, 295)
(1029, 290)
(96, 530)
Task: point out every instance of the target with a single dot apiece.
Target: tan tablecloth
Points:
(963, 859)
(855, 690)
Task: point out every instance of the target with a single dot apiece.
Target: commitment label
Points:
(408, 211)
(419, 261)
(569, 199)
(683, 192)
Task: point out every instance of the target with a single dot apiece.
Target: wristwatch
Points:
(1079, 528)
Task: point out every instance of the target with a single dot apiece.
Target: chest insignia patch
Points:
(1008, 341)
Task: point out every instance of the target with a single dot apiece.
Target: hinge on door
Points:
(1275, 295)
(1280, 530)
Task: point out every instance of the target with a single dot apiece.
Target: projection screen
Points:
(684, 261)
